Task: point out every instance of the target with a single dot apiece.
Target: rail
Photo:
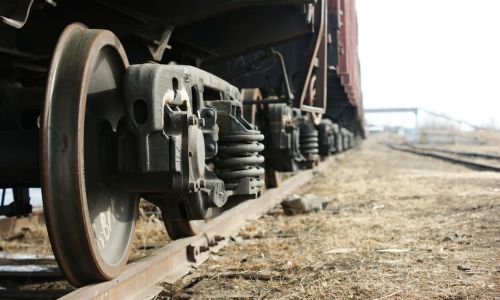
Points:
(141, 279)
(454, 157)
(485, 155)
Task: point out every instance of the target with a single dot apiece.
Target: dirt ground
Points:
(438, 224)
(399, 226)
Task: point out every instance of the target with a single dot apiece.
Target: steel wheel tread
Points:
(90, 223)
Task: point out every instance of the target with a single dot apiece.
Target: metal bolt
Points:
(192, 253)
(192, 120)
(201, 122)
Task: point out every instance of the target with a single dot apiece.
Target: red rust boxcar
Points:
(192, 105)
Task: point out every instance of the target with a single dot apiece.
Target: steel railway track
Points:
(141, 279)
(462, 158)
(485, 155)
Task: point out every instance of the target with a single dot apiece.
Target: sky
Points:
(442, 55)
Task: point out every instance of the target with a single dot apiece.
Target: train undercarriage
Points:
(193, 106)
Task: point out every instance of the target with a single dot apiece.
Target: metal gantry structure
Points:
(417, 111)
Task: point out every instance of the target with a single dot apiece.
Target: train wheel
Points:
(90, 222)
(272, 177)
(183, 228)
(250, 111)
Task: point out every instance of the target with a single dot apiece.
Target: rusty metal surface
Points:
(313, 96)
(90, 238)
(348, 67)
(177, 258)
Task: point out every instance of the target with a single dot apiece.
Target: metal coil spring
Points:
(238, 158)
(309, 143)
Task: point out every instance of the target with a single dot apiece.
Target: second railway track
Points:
(468, 159)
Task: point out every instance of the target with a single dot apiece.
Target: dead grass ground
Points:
(150, 232)
(445, 216)
(490, 142)
(149, 235)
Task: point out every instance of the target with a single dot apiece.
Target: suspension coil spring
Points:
(239, 158)
(309, 142)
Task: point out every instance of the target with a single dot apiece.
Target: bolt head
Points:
(201, 122)
(192, 120)
(193, 186)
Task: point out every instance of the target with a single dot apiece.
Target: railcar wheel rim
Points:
(90, 222)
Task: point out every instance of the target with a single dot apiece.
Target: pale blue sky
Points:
(443, 55)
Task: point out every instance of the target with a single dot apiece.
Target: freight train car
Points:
(194, 106)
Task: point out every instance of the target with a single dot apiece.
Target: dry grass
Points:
(446, 215)
(149, 235)
(32, 241)
(490, 142)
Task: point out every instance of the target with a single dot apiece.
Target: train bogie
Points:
(212, 106)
